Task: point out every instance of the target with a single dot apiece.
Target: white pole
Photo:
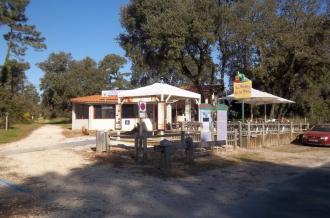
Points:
(6, 121)
(251, 112)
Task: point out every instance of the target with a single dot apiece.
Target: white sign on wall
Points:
(206, 120)
(106, 93)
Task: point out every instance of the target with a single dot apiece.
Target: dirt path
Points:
(42, 152)
(59, 177)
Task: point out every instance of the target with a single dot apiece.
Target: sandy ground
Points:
(45, 160)
(63, 177)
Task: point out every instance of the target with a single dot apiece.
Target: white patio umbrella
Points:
(261, 98)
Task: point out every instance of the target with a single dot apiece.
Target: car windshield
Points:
(321, 128)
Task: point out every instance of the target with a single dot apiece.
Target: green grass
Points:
(17, 132)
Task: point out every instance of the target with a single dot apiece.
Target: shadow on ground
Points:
(115, 186)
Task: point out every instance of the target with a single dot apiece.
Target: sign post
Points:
(142, 109)
(242, 89)
(222, 122)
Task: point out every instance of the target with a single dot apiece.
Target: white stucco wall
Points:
(79, 123)
(102, 124)
(94, 124)
(105, 124)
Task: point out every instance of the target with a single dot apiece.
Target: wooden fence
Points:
(245, 135)
(255, 135)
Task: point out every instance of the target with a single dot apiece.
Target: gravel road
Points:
(48, 175)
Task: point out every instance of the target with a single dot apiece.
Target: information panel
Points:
(205, 115)
(222, 122)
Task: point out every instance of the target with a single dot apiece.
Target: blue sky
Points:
(83, 28)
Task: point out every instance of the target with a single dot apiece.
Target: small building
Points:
(118, 109)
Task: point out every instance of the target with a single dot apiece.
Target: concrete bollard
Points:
(166, 151)
(101, 141)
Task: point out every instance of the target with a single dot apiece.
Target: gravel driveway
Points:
(49, 175)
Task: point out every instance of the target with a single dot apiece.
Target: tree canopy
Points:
(282, 45)
(18, 97)
(65, 78)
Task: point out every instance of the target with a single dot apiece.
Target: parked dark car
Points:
(318, 135)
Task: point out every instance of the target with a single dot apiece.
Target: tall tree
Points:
(293, 49)
(16, 76)
(55, 82)
(163, 37)
(65, 78)
(110, 66)
(20, 35)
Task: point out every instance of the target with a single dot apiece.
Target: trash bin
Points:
(102, 141)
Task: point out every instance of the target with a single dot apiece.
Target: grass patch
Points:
(17, 132)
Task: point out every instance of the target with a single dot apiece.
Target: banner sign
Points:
(138, 99)
(242, 86)
(243, 89)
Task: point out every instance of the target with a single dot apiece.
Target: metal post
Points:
(291, 130)
(265, 111)
(263, 134)
(278, 133)
(243, 112)
(251, 112)
(6, 121)
(240, 133)
(235, 138)
(249, 134)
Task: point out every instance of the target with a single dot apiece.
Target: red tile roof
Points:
(95, 99)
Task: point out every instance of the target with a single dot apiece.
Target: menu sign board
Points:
(242, 89)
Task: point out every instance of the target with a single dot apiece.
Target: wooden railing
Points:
(251, 135)
(254, 135)
(247, 135)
